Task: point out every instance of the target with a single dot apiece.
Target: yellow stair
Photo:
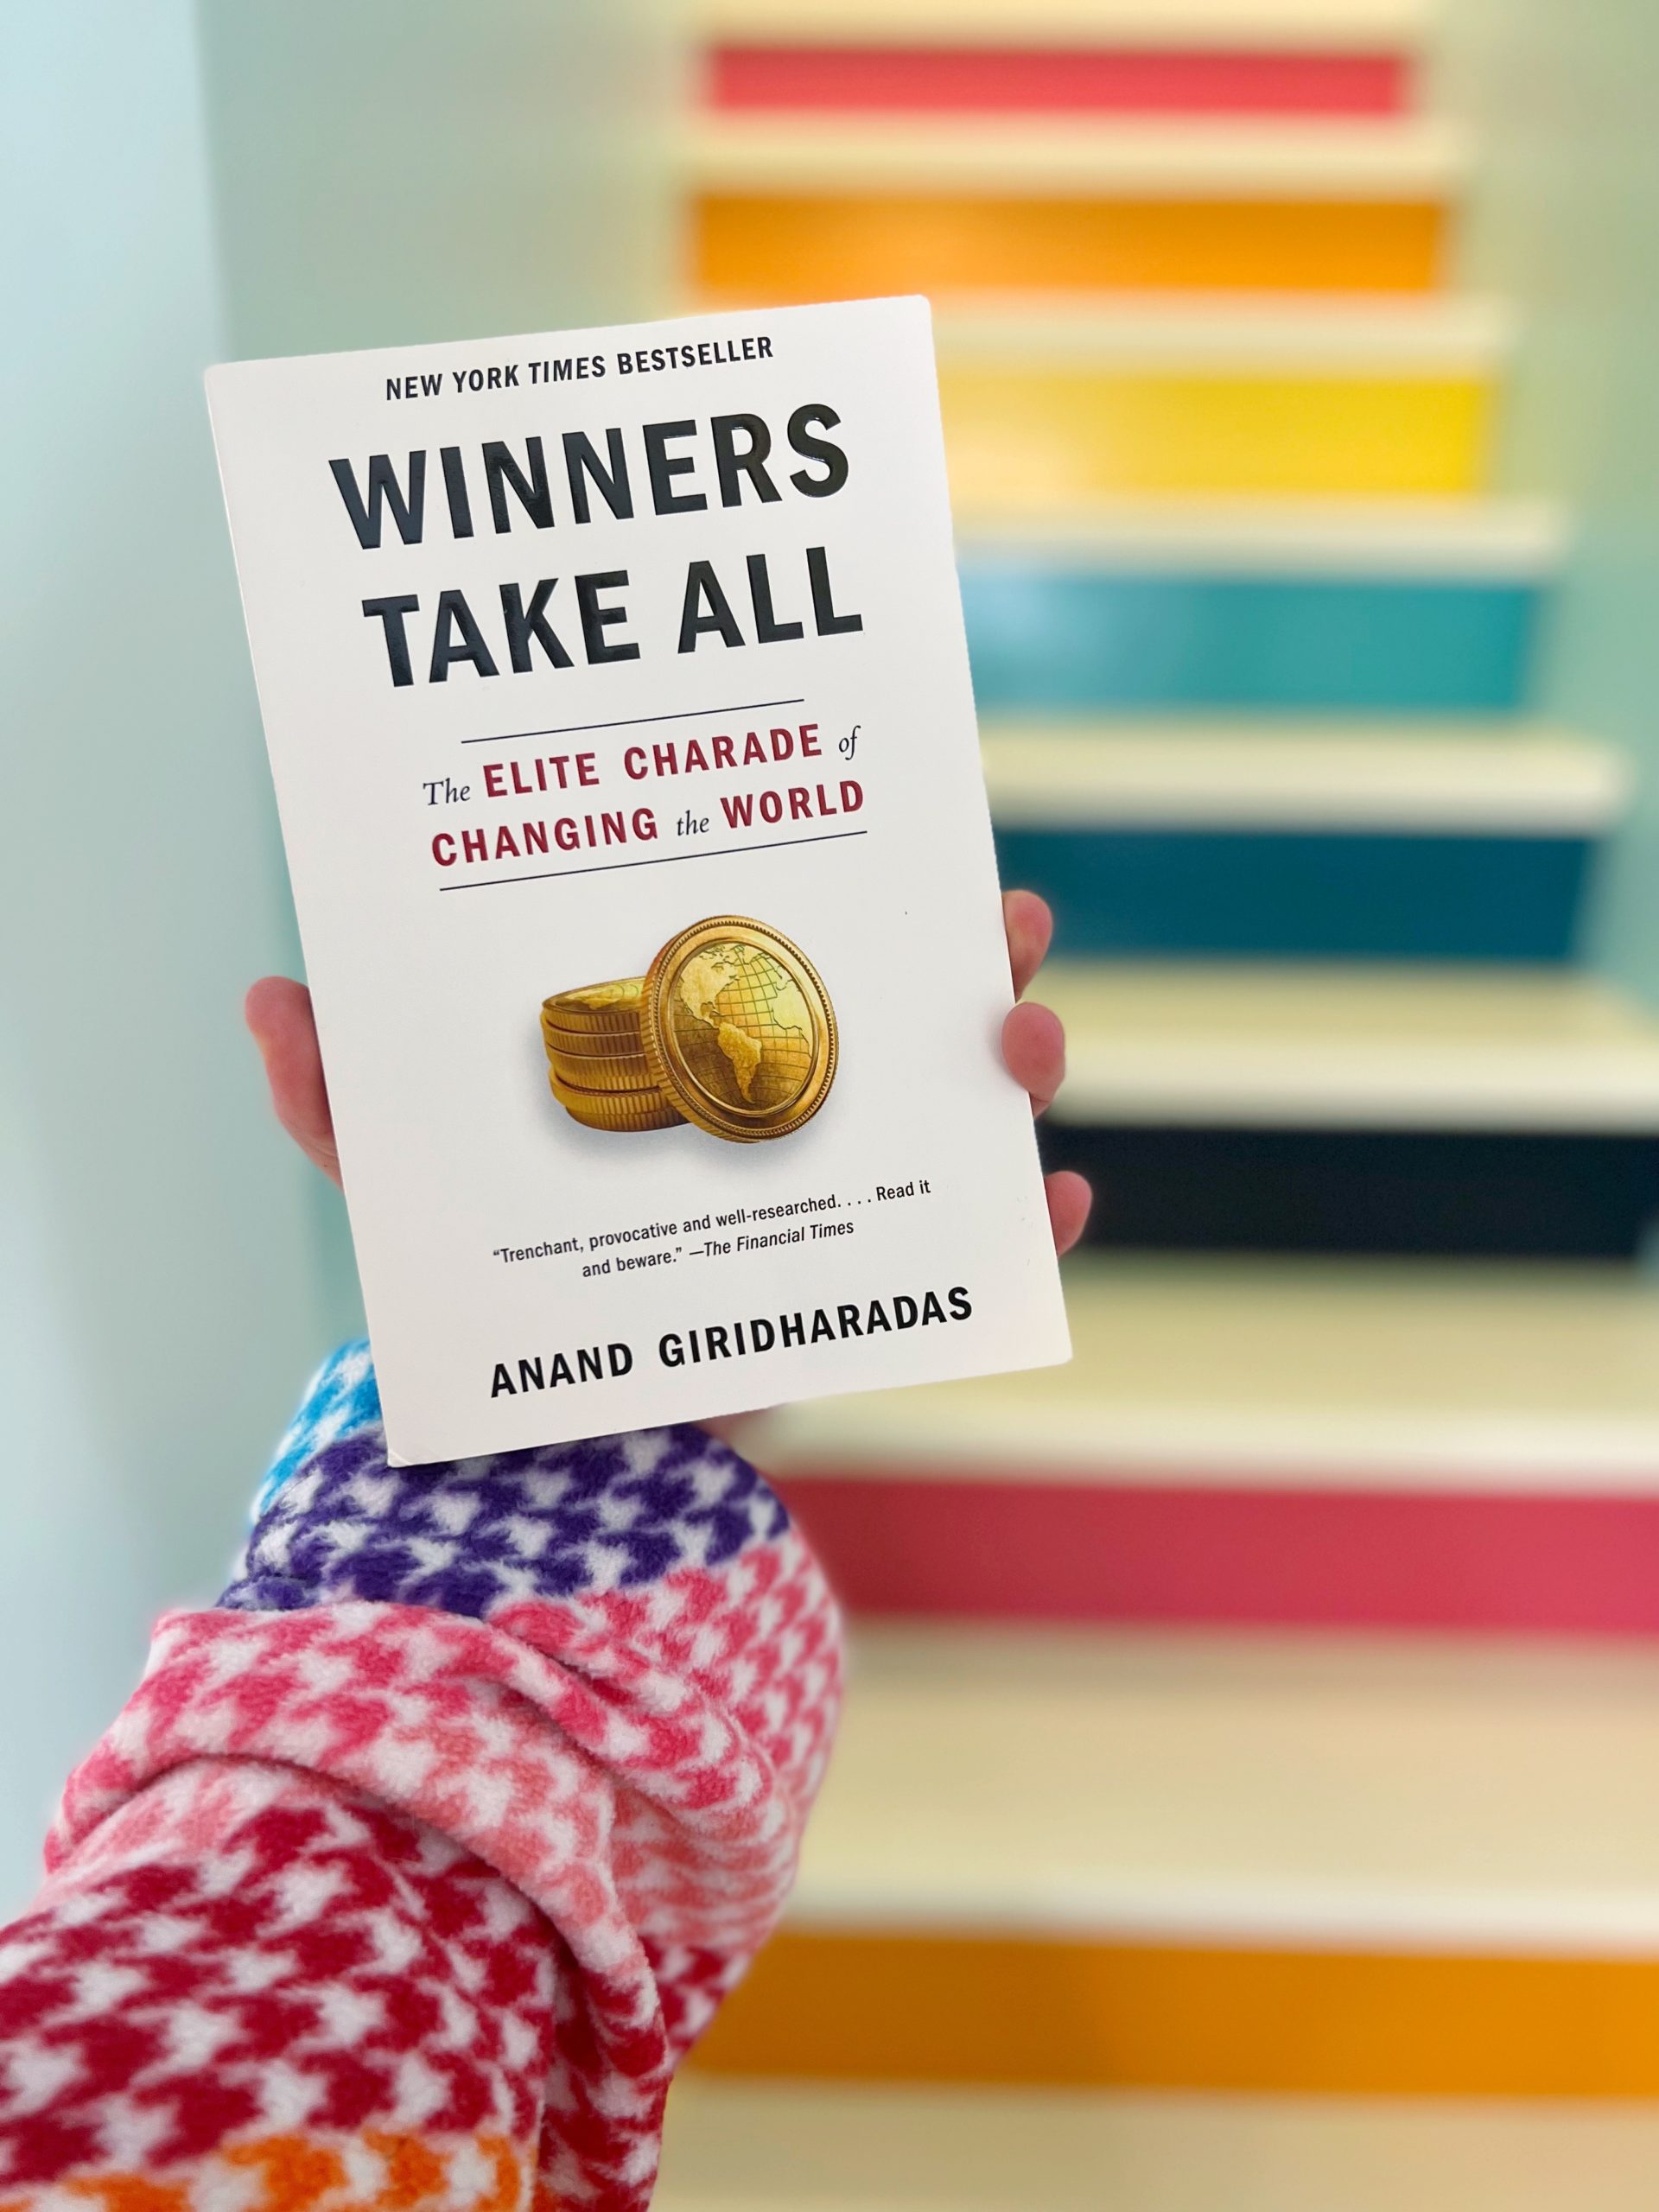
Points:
(1054, 409)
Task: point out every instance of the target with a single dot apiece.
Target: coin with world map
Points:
(737, 1029)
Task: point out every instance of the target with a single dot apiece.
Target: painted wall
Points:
(182, 185)
(1565, 220)
(159, 1269)
(409, 169)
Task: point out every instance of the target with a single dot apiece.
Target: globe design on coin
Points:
(739, 1029)
(744, 1031)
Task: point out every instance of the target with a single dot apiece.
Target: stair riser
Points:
(1174, 893)
(754, 248)
(1075, 2013)
(1106, 80)
(1024, 1546)
(1523, 1196)
(1039, 439)
(1047, 637)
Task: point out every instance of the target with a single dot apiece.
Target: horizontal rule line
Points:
(638, 721)
(662, 859)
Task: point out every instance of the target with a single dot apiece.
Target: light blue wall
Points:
(159, 1269)
(1566, 220)
(179, 187)
(390, 170)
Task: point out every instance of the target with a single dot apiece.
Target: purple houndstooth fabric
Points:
(468, 1536)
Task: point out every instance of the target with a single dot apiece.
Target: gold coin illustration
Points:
(601, 1071)
(621, 1024)
(588, 1044)
(739, 1029)
(610, 1009)
(615, 1109)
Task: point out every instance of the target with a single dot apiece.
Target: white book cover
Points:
(618, 710)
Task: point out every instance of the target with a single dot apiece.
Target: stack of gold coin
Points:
(596, 1061)
(730, 1027)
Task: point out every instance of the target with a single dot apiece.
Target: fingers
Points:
(278, 1012)
(1069, 1201)
(1033, 1044)
(1031, 928)
(1033, 1047)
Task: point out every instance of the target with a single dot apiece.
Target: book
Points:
(618, 710)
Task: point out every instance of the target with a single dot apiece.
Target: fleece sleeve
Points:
(413, 1867)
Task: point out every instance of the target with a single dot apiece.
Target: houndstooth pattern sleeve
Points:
(429, 1850)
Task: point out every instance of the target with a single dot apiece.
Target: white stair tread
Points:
(1325, 1046)
(1217, 332)
(1432, 1794)
(1258, 774)
(1319, 1373)
(744, 2147)
(1411, 158)
(1328, 25)
(1488, 539)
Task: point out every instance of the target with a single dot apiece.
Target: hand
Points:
(1033, 1047)
(278, 1012)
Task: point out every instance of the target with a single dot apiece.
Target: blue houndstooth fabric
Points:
(341, 1399)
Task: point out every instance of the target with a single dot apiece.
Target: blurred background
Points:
(1249, 1792)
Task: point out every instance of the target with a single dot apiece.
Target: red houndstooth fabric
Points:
(411, 1870)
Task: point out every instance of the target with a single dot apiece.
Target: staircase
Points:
(1247, 1793)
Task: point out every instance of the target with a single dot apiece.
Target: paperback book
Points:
(618, 710)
